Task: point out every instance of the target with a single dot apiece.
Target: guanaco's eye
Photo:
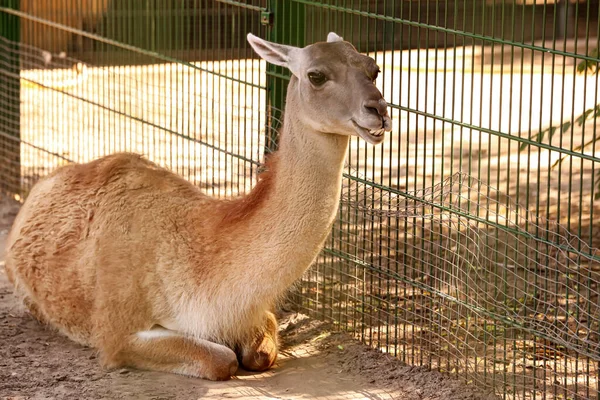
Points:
(317, 78)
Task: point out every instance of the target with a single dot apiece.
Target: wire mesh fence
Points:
(465, 242)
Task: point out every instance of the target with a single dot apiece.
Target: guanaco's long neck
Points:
(304, 199)
(287, 229)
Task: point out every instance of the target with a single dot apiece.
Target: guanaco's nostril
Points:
(377, 107)
(373, 110)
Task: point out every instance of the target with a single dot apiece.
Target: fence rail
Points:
(466, 242)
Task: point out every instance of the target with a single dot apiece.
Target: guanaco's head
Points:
(332, 87)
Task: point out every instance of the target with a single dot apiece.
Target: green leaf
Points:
(559, 161)
(523, 146)
(583, 117)
(588, 114)
(589, 65)
(586, 144)
(538, 137)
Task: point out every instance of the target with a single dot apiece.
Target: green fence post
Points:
(10, 102)
(286, 21)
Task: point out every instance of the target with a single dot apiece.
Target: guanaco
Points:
(129, 258)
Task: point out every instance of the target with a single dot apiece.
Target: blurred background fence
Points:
(465, 243)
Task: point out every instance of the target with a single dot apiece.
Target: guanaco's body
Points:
(129, 258)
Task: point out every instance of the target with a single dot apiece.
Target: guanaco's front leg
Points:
(168, 351)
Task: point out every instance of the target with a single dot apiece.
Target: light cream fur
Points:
(127, 257)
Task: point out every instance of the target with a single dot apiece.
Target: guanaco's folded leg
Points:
(260, 352)
(168, 351)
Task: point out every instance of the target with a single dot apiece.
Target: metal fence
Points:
(466, 242)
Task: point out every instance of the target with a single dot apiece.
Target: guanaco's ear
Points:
(333, 37)
(278, 54)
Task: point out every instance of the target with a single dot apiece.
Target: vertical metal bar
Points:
(287, 17)
(10, 113)
(590, 363)
(579, 222)
(486, 361)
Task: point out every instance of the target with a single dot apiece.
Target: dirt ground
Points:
(38, 363)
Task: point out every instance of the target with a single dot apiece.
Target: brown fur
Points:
(108, 193)
(243, 207)
(129, 258)
(149, 355)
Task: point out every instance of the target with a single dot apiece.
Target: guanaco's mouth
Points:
(372, 136)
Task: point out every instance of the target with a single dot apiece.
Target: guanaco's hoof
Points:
(259, 361)
(223, 372)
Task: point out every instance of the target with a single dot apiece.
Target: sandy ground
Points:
(38, 363)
